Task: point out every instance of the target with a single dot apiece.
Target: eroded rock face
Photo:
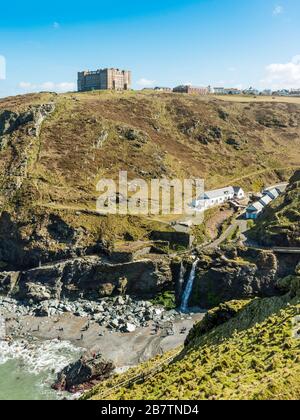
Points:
(11, 121)
(42, 238)
(20, 131)
(82, 374)
(93, 277)
(8, 280)
(236, 274)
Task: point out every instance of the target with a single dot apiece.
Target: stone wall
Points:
(174, 238)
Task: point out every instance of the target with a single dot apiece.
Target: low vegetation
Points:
(166, 299)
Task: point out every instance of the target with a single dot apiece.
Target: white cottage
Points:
(265, 200)
(254, 210)
(239, 193)
(214, 198)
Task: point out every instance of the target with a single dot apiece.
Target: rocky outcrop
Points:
(42, 238)
(136, 137)
(94, 277)
(20, 131)
(215, 317)
(83, 374)
(11, 121)
(8, 281)
(237, 273)
(291, 283)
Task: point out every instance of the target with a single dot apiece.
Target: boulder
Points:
(8, 281)
(83, 373)
(129, 327)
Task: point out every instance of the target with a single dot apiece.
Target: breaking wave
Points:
(39, 357)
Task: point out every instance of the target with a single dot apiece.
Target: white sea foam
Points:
(39, 357)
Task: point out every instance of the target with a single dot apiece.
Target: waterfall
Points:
(188, 290)
(181, 275)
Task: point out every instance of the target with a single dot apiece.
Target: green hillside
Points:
(49, 170)
(252, 356)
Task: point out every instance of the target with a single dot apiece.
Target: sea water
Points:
(27, 369)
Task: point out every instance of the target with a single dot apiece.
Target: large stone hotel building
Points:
(104, 79)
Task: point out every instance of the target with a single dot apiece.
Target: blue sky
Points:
(164, 42)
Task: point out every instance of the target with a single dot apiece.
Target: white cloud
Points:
(26, 85)
(146, 82)
(56, 25)
(283, 75)
(47, 86)
(66, 86)
(278, 10)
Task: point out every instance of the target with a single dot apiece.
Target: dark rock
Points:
(221, 279)
(92, 277)
(8, 280)
(81, 374)
(223, 114)
(231, 141)
(137, 137)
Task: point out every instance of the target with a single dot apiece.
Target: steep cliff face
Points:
(238, 273)
(19, 146)
(89, 277)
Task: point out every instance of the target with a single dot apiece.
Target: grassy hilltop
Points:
(48, 177)
(91, 135)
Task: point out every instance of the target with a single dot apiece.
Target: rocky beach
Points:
(121, 330)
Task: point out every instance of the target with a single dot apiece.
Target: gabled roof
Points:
(273, 193)
(255, 207)
(238, 189)
(212, 194)
(265, 200)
